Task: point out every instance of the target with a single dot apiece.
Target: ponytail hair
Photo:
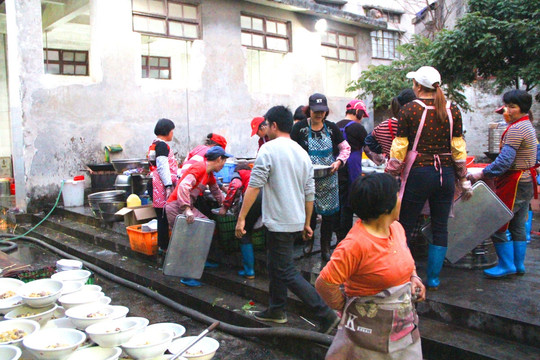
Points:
(395, 107)
(440, 104)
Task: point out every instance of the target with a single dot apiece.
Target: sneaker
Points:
(328, 323)
(277, 316)
(190, 282)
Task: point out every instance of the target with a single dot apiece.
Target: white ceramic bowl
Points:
(177, 329)
(119, 311)
(79, 315)
(9, 352)
(71, 287)
(91, 288)
(54, 343)
(206, 346)
(41, 315)
(64, 323)
(80, 276)
(142, 323)
(96, 353)
(68, 264)
(8, 294)
(59, 313)
(9, 287)
(10, 303)
(112, 333)
(28, 326)
(148, 345)
(105, 300)
(52, 288)
(80, 298)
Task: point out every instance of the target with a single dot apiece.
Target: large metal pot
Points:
(320, 171)
(108, 210)
(104, 196)
(128, 164)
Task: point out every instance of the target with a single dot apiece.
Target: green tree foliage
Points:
(496, 38)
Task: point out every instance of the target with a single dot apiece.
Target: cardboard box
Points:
(137, 215)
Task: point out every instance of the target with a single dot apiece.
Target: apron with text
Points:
(378, 327)
(326, 188)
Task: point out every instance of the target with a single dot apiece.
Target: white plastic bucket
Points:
(73, 193)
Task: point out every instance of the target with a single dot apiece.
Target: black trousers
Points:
(162, 228)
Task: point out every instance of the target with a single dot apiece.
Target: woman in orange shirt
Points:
(379, 276)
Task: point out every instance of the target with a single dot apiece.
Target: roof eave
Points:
(323, 11)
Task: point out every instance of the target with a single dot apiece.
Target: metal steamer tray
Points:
(188, 247)
(474, 221)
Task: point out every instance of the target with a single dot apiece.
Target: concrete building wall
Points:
(66, 121)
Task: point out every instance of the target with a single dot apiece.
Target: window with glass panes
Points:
(156, 67)
(168, 18)
(392, 17)
(264, 33)
(383, 44)
(338, 46)
(65, 62)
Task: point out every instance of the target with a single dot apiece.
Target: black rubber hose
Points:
(11, 246)
(198, 316)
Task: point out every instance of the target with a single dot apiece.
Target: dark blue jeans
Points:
(524, 194)
(284, 275)
(423, 185)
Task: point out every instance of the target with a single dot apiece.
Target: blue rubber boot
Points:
(528, 226)
(520, 248)
(248, 261)
(210, 265)
(436, 255)
(505, 252)
(190, 282)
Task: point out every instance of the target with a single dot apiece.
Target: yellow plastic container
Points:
(133, 200)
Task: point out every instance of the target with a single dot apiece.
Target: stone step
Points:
(223, 305)
(457, 302)
(442, 341)
(225, 293)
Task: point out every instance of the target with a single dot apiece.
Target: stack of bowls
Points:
(68, 264)
(103, 197)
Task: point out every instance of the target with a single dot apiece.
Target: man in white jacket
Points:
(283, 169)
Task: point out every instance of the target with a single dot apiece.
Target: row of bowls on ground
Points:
(84, 327)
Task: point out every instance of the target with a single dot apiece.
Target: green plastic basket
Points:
(258, 238)
(226, 226)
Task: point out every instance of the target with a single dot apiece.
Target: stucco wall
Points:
(67, 121)
(484, 100)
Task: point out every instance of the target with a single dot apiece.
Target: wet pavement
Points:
(231, 348)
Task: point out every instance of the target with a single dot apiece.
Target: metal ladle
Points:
(196, 340)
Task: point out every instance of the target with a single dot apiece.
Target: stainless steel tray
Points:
(474, 221)
(188, 247)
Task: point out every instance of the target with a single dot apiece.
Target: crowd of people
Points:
(370, 278)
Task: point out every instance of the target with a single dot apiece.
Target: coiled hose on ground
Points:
(318, 338)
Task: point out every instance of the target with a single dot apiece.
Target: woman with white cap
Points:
(429, 153)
